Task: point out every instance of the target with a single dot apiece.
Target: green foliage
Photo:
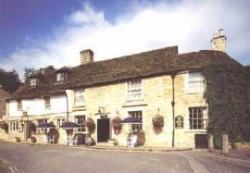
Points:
(228, 96)
(9, 80)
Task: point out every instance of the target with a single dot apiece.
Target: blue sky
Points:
(37, 33)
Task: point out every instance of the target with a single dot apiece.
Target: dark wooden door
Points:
(201, 141)
(103, 130)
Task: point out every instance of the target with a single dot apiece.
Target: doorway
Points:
(103, 130)
(201, 141)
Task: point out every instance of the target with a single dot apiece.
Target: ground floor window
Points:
(42, 130)
(14, 125)
(196, 117)
(138, 116)
(80, 120)
(59, 122)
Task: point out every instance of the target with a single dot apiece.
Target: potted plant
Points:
(90, 124)
(5, 127)
(117, 124)
(158, 123)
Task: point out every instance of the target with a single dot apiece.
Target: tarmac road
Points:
(25, 158)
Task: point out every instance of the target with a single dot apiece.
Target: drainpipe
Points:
(173, 108)
(67, 104)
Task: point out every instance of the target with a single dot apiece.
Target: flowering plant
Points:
(117, 124)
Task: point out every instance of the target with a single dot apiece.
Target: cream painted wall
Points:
(35, 107)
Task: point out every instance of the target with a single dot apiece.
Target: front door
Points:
(103, 130)
(201, 141)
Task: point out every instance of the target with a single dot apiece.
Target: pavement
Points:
(26, 158)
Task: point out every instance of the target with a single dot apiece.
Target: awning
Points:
(131, 120)
(46, 125)
(69, 125)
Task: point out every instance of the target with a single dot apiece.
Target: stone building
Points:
(148, 85)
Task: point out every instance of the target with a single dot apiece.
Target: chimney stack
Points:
(219, 41)
(86, 56)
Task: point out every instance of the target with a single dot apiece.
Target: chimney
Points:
(219, 41)
(86, 56)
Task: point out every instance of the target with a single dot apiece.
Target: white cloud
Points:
(188, 24)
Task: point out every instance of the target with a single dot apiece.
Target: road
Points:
(25, 158)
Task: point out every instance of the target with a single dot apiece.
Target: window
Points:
(14, 125)
(196, 117)
(59, 122)
(137, 115)
(60, 77)
(134, 90)
(195, 82)
(42, 130)
(47, 103)
(19, 105)
(33, 82)
(79, 97)
(80, 120)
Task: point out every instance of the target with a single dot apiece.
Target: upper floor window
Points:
(80, 120)
(47, 103)
(60, 77)
(138, 116)
(135, 89)
(33, 82)
(79, 97)
(196, 82)
(19, 105)
(196, 117)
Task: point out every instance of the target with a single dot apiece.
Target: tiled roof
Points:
(151, 63)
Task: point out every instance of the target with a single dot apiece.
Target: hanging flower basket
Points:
(90, 124)
(4, 126)
(32, 127)
(158, 123)
(117, 124)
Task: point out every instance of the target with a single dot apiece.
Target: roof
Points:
(145, 64)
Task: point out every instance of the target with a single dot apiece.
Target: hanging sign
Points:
(179, 122)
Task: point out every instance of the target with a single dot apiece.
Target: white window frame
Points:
(135, 91)
(83, 128)
(60, 77)
(33, 82)
(47, 103)
(195, 84)
(40, 121)
(194, 121)
(19, 105)
(79, 101)
(138, 126)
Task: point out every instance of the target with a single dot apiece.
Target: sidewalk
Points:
(109, 147)
(140, 148)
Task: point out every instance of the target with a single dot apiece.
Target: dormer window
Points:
(60, 77)
(33, 82)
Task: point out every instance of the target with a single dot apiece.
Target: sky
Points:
(38, 33)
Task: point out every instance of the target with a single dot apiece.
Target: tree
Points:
(9, 80)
